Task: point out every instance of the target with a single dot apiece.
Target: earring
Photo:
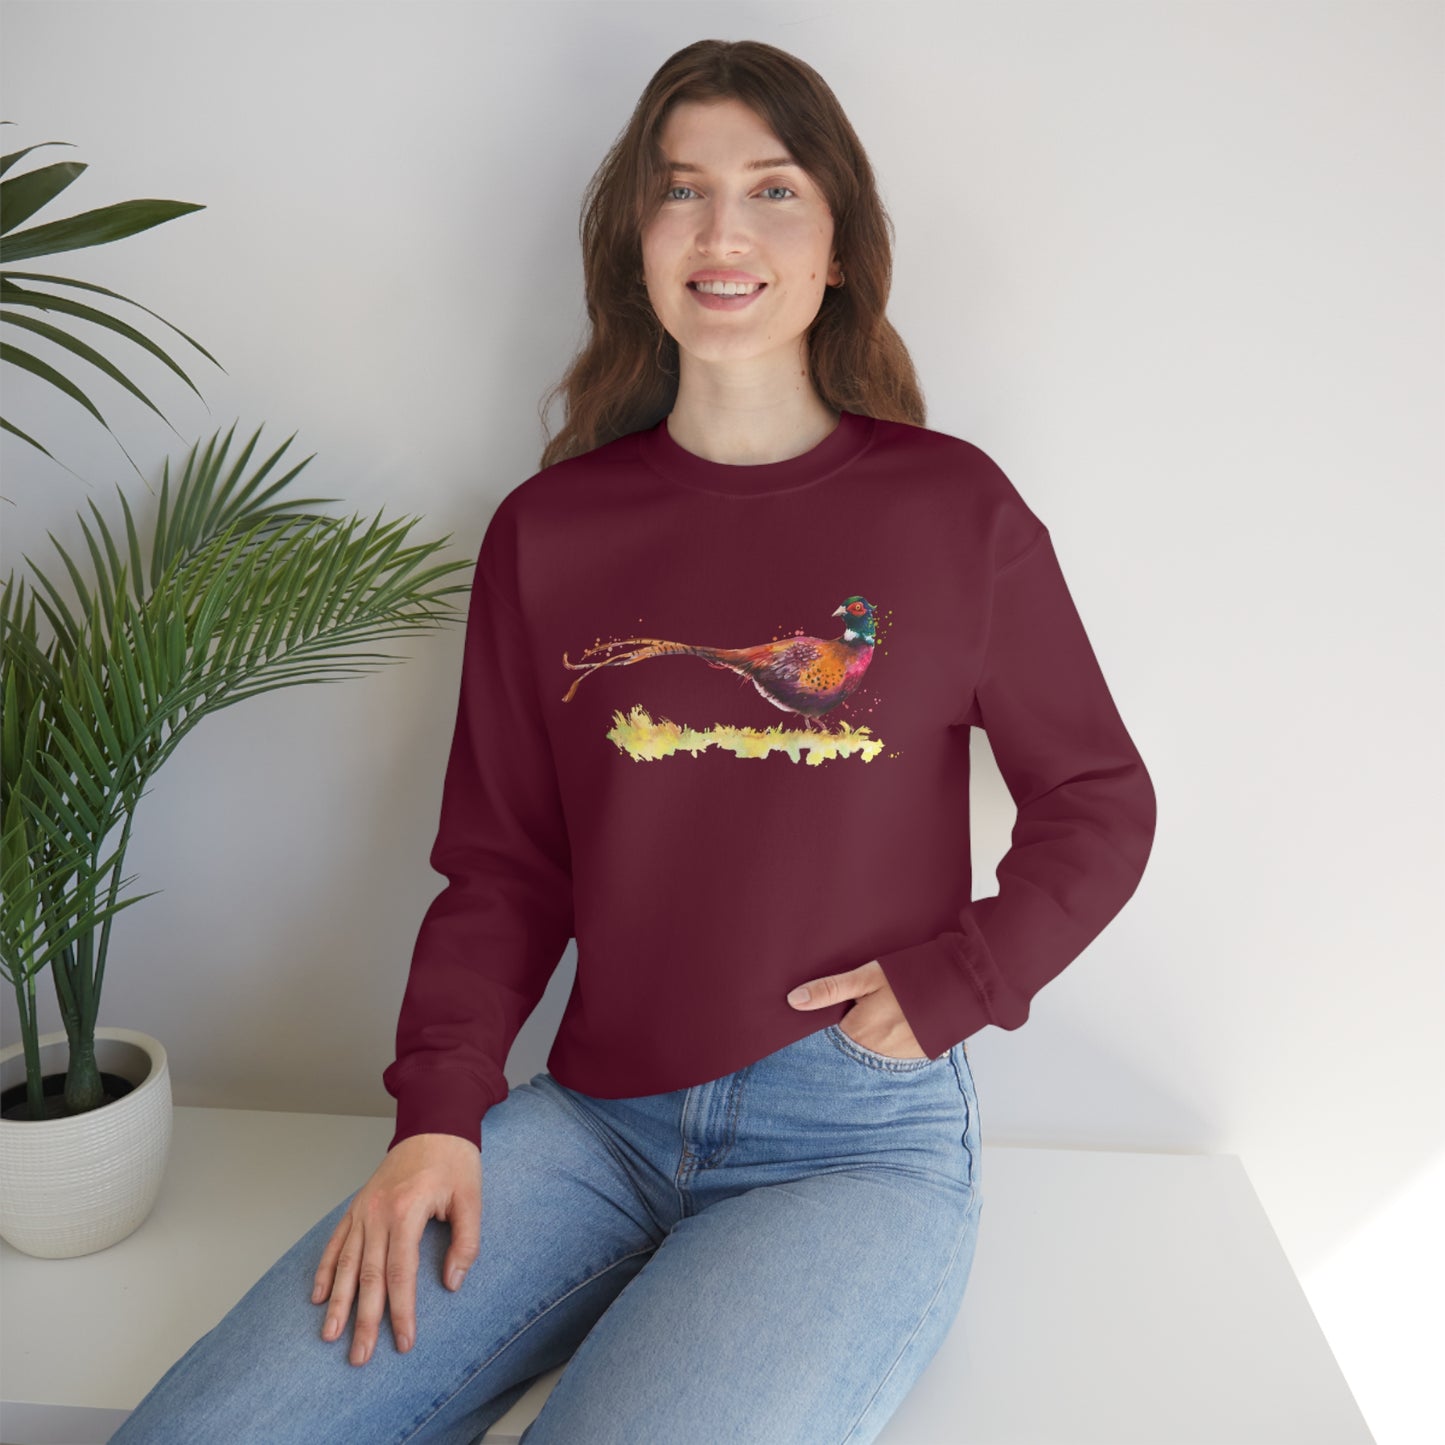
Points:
(842, 280)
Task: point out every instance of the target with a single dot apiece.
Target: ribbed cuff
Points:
(937, 985)
(445, 1101)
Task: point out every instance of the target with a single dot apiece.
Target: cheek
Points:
(805, 244)
(665, 231)
(653, 244)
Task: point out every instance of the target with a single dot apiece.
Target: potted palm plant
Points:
(239, 593)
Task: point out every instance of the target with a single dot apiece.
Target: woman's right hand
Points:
(378, 1240)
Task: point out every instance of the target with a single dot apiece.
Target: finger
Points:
(326, 1269)
(466, 1221)
(343, 1287)
(825, 992)
(856, 983)
(402, 1256)
(371, 1298)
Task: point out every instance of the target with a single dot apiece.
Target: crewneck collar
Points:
(848, 439)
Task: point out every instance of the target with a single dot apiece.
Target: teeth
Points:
(727, 288)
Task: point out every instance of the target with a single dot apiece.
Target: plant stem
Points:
(34, 1083)
(82, 1079)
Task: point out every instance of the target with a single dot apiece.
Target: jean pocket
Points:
(884, 1063)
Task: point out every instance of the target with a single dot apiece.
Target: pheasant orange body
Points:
(805, 675)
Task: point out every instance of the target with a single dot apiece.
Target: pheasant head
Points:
(857, 613)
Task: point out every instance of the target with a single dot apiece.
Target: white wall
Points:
(1177, 267)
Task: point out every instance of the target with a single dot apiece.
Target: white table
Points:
(1115, 1299)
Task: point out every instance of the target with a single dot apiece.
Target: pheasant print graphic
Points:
(804, 676)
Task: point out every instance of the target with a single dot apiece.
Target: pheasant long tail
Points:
(734, 659)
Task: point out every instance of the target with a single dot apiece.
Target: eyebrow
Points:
(767, 165)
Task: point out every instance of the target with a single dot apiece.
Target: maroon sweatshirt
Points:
(714, 724)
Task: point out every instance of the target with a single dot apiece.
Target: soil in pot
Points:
(14, 1106)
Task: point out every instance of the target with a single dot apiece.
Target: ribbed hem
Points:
(848, 440)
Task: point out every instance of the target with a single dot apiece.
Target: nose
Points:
(721, 233)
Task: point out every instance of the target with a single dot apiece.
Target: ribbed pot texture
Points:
(75, 1185)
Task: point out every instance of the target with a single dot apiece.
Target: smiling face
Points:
(723, 213)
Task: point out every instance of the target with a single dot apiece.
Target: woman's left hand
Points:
(877, 1020)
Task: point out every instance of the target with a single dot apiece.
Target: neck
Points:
(745, 432)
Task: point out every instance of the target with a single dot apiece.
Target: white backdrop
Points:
(1177, 267)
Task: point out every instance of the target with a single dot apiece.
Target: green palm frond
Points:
(21, 197)
(242, 595)
(200, 512)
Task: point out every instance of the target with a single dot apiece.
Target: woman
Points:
(738, 1212)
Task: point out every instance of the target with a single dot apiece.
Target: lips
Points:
(740, 278)
(710, 301)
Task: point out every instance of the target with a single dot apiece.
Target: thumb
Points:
(823, 992)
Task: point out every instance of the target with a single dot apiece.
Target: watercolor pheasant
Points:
(805, 675)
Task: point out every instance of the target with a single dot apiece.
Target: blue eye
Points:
(668, 194)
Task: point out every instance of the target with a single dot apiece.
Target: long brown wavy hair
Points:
(624, 377)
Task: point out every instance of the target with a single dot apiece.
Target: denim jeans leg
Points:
(562, 1233)
(829, 1208)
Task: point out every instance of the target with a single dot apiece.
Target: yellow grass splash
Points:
(644, 740)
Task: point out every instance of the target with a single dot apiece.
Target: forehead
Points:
(720, 135)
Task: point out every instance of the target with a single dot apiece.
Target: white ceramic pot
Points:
(78, 1184)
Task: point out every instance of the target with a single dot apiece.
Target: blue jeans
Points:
(773, 1256)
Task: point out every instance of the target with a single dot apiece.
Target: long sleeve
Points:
(492, 938)
(1085, 824)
